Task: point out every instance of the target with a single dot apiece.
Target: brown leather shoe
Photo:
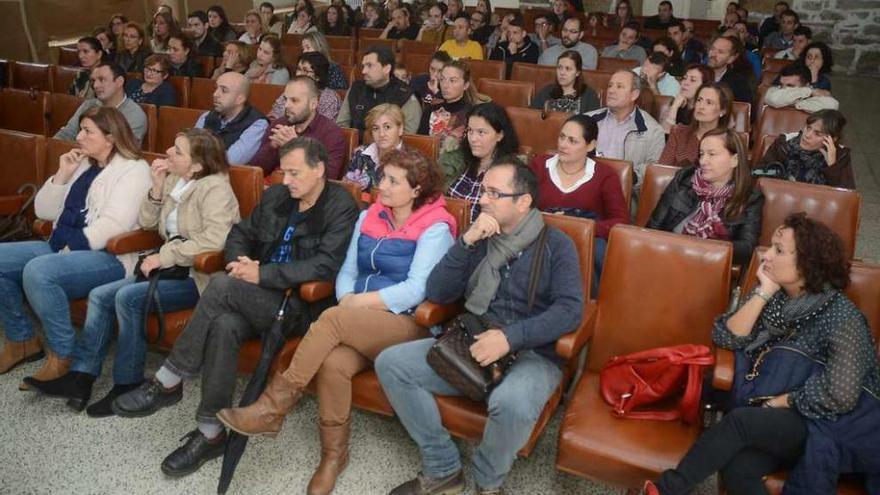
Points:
(54, 367)
(15, 353)
(266, 415)
(334, 457)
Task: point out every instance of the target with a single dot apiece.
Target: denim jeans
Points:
(514, 407)
(599, 246)
(13, 257)
(124, 300)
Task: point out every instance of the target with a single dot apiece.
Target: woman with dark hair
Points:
(817, 57)
(396, 243)
(716, 198)
(164, 27)
(595, 21)
(107, 40)
(713, 107)
(180, 49)
(93, 197)
(90, 53)
(116, 25)
(274, 23)
(218, 25)
(133, 52)
(332, 22)
(447, 118)
(154, 88)
(304, 22)
(385, 124)
(373, 18)
(682, 108)
(237, 57)
(267, 67)
(192, 206)
(569, 94)
(489, 138)
(313, 65)
(316, 42)
(623, 15)
(814, 155)
(806, 380)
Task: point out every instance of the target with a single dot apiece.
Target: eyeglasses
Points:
(494, 195)
(153, 71)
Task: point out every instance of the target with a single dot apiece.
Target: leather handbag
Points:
(637, 384)
(175, 272)
(450, 356)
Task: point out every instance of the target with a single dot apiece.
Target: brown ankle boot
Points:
(54, 367)
(334, 457)
(15, 353)
(266, 415)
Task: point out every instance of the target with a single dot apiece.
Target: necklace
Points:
(566, 172)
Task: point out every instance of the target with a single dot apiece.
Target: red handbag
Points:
(644, 378)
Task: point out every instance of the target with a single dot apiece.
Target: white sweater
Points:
(113, 201)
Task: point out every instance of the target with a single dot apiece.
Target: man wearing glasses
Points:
(572, 32)
(545, 26)
(480, 28)
(489, 266)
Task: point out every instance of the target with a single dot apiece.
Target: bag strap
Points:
(151, 297)
(536, 268)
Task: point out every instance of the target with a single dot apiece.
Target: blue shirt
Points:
(248, 143)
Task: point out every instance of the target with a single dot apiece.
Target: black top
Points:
(409, 33)
(654, 22)
(209, 47)
(362, 98)
(739, 85)
(527, 53)
(190, 68)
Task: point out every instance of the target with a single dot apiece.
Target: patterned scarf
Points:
(706, 222)
(799, 165)
(784, 316)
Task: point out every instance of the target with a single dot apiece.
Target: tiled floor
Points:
(45, 448)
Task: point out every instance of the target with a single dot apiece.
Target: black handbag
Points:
(450, 356)
(175, 272)
(17, 226)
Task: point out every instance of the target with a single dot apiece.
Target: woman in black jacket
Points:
(714, 200)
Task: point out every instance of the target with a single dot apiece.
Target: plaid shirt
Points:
(468, 189)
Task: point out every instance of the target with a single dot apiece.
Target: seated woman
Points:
(316, 42)
(447, 118)
(108, 41)
(304, 21)
(237, 57)
(90, 53)
(313, 65)
(218, 25)
(130, 58)
(817, 57)
(180, 49)
(154, 88)
(682, 108)
(253, 28)
(94, 196)
(385, 123)
(569, 94)
(332, 22)
(820, 419)
(373, 18)
(267, 67)
(164, 27)
(715, 199)
(489, 137)
(193, 207)
(713, 106)
(814, 155)
(378, 287)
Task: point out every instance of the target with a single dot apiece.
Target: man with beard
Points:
(301, 118)
(723, 59)
(572, 32)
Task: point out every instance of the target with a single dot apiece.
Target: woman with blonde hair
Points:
(237, 57)
(132, 52)
(254, 28)
(385, 125)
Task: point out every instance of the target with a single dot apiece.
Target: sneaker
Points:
(147, 399)
(423, 485)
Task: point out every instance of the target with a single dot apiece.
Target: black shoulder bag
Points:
(175, 272)
(17, 227)
(450, 356)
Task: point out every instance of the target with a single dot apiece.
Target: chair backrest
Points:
(201, 93)
(540, 75)
(290, 55)
(461, 210)
(247, 184)
(263, 96)
(61, 109)
(507, 93)
(658, 289)
(288, 39)
(181, 85)
(149, 156)
(171, 121)
(369, 33)
(615, 64)
(536, 134)
(351, 142)
(351, 187)
(582, 232)
(68, 55)
(837, 208)
(342, 55)
(63, 76)
(427, 145)
(767, 77)
(23, 160)
(762, 144)
(489, 69)
(657, 177)
(25, 75)
(54, 149)
(149, 141)
(598, 79)
(207, 63)
(342, 42)
(775, 64)
(661, 106)
(417, 63)
(742, 116)
(781, 121)
(412, 46)
(623, 169)
(25, 111)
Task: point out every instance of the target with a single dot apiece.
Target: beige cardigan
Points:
(205, 214)
(112, 201)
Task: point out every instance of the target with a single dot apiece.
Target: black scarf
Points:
(784, 316)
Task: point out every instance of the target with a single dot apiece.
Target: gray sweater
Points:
(132, 112)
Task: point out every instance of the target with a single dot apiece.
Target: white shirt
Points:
(171, 222)
(552, 165)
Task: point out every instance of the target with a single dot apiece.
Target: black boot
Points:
(197, 450)
(74, 386)
(102, 408)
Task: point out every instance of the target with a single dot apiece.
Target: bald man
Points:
(239, 125)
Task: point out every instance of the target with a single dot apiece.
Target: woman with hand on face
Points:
(814, 155)
(373, 18)
(267, 67)
(569, 94)
(253, 28)
(218, 25)
(447, 118)
(681, 110)
(385, 123)
(130, 58)
(93, 197)
(712, 109)
(304, 21)
(237, 57)
(180, 51)
(154, 88)
(192, 206)
(715, 199)
(90, 53)
(817, 57)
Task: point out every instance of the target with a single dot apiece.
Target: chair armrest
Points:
(317, 290)
(429, 314)
(134, 241)
(209, 262)
(9, 205)
(570, 344)
(722, 373)
(42, 228)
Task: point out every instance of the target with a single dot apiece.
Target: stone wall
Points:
(850, 27)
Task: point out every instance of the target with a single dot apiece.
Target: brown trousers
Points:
(342, 343)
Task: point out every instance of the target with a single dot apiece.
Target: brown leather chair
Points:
(54, 149)
(615, 64)
(657, 177)
(417, 63)
(171, 121)
(290, 55)
(780, 121)
(68, 56)
(181, 85)
(655, 272)
(25, 75)
(149, 141)
(762, 144)
(61, 109)
(63, 77)
(489, 69)
(775, 64)
(208, 64)
(421, 47)
(351, 142)
(507, 93)
(427, 145)
(291, 39)
(767, 77)
(365, 44)
(742, 116)
(368, 33)
(540, 75)
(537, 130)
(352, 74)
(201, 93)
(624, 171)
(23, 162)
(461, 210)
(25, 111)
(263, 96)
(598, 79)
(837, 208)
(342, 56)
(342, 43)
(661, 106)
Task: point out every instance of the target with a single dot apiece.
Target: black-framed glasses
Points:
(493, 194)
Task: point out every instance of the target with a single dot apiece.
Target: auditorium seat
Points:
(61, 108)
(775, 64)
(762, 144)
(290, 55)
(63, 77)
(201, 93)
(171, 121)
(537, 130)
(623, 169)
(368, 33)
(352, 136)
(780, 121)
(742, 116)
(149, 141)
(657, 177)
(263, 96)
(25, 111)
(207, 64)
(490, 69)
(342, 56)
(288, 39)
(25, 75)
(539, 75)
(427, 145)
(342, 42)
(181, 85)
(654, 271)
(615, 64)
(365, 44)
(598, 79)
(23, 162)
(412, 46)
(68, 56)
(417, 63)
(507, 93)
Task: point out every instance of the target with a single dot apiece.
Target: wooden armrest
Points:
(429, 314)
(9, 205)
(209, 262)
(722, 373)
(570, 344)
(317, 290)
(134, 241)
(42, 228)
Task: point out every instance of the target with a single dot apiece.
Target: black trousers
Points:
(748, 443)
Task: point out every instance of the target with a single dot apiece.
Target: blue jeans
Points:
(599, 246)
(124, 299)
(13, 257)
(514, 407)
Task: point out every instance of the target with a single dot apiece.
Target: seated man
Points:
(663, 18)
(301, 118)
(378, 86)
(626, 46)
(485, 267)
(239, 125)
(434, 30)
(690, 48)
(572, 32)
(627, 132)
(481, 30)
(205, 44)
(298, 233)
(784, 38)
(461, 46)
(801, 38)
(518, 47)
(545, 26)
(794, 90)
(655, 72)
(400, 26)
(108, 79)
(722, 60)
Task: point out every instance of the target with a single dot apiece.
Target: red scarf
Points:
(706, 222)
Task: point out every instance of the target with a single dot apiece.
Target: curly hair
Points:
(820, 255)
(420, 172)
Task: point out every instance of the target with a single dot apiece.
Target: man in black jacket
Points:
(299, 232)
(725, 55)
(205, 44)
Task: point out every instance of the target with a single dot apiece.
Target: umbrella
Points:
(236, 443)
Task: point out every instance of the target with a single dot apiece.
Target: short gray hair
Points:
(313, 149)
